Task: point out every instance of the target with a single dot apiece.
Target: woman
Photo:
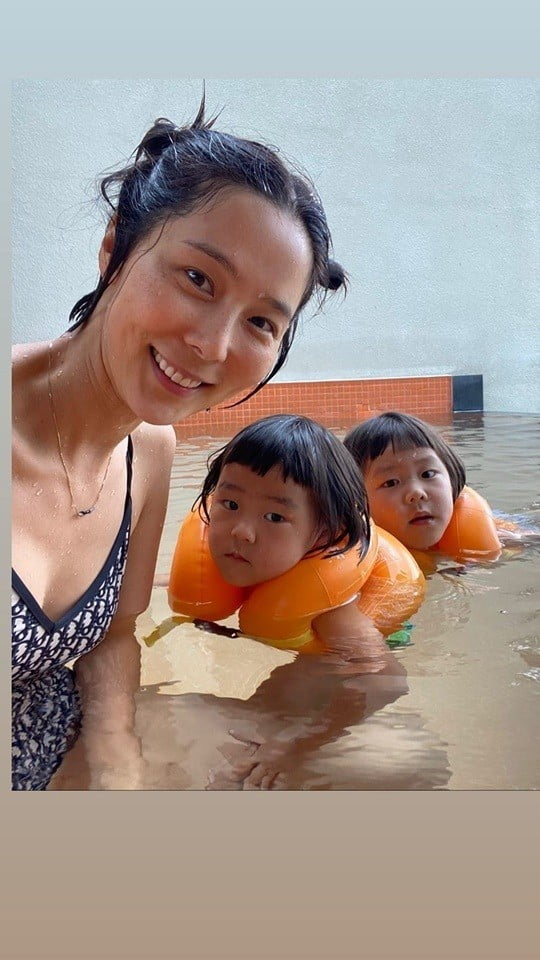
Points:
(212, 249)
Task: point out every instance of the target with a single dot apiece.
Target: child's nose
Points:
(415, 492)
(244, 530)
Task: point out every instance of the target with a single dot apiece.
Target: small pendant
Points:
(84, 513)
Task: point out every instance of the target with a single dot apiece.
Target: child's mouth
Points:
(236, 556)
(421, 519)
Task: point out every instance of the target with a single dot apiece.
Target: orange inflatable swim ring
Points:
(470, 536)
(280, 611)
(471, 533)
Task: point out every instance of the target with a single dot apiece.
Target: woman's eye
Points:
(263, 324)
(199, 279)
(274, 517)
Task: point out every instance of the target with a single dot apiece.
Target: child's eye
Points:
(390, 483)
(429, 474)
(263, 324)
(199, 279)
(230, 504)
(274, 517)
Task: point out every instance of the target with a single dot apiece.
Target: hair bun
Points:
(336, 275)
(160, 136)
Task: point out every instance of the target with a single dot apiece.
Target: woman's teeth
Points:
(171, 373)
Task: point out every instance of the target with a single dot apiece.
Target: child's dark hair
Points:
(177, 170)
(312, 457)
(370, 439)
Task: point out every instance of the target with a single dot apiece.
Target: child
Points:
(416, 488)
(282, 499)
(284, 535)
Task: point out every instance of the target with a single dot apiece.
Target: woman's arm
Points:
(107, 754)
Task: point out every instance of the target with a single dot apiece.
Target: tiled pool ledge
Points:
(341, 403)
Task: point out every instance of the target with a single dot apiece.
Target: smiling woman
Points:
(187, 312)
(207, 312)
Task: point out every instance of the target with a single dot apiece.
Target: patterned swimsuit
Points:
(46, 709)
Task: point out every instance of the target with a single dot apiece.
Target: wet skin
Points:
(260, 527)
(410, 495)
(197, 313)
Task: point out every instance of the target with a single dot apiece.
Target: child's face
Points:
(410, 495)
(260, 527)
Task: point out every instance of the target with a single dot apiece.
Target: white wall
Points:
(430, 186)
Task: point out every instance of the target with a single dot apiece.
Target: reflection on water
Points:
(470, 716)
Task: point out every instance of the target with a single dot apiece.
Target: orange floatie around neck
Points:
(277, 610)
(471, 533)
(281, 611)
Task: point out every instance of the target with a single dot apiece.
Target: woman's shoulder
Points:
(20, 350)
(28, 373)
(152, 437)
(153, 451)
(26, 354)
(154, 445)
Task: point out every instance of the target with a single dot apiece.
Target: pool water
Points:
(470, 719)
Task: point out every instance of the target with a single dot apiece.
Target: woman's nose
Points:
(211, 341)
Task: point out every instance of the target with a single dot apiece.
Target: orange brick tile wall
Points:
(336, 403)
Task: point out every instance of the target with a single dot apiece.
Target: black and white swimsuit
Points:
(46, 709)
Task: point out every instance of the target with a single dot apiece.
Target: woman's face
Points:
(198, 312)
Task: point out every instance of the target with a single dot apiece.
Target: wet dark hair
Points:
(177, 170)
(401, 431)
(312, 457)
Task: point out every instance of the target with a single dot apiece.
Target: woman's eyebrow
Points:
(220, 257)
(216, 254)
(278, 305)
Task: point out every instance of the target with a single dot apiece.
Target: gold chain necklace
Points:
(75, 508)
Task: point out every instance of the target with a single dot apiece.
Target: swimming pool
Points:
(470, 719)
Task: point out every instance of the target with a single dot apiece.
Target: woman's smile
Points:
(177, 380)
(211, 310)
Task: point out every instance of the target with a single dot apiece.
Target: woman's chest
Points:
(56, 554)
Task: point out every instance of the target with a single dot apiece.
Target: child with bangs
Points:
(282, 506)
(416, 487)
